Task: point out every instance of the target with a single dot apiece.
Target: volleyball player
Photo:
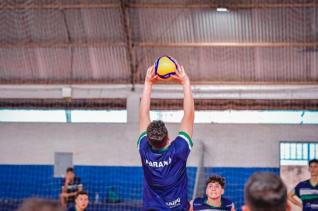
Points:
(213, 199)
(164, 160)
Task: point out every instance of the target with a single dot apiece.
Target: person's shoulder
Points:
(71, 209)
(226, 201)
(198, 201)
(304, 183)
(142, 135)
(183, 136)
(141, 138)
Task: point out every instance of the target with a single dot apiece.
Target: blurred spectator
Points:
(71, 185)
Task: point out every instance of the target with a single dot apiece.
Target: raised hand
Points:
(151, 77)
(180, 76)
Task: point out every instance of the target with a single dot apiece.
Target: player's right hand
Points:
(151, 77)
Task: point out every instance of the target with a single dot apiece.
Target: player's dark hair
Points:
(81, 193)
(265, 191)
(312, 161)
(215, 179)
(157, 134)
(69, 169)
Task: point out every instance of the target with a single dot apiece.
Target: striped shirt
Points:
(201, 204)
(308, 195)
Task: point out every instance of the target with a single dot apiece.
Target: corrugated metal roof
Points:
(244, 65)
(80, 41)
(207, 25)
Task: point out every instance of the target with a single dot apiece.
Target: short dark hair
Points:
(157, 134)
(265, 191)
(215, 178)
(37, 204)
(312, 161)
(81, 193)
(69, 169)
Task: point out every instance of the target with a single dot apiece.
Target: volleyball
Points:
(165, 67)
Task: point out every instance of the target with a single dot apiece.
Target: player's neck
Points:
(214, 202)
(314, 180)
(162, 148)
(78, 209)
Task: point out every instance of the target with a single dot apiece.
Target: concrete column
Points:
(133, 100)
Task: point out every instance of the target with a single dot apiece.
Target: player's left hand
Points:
(180, 76)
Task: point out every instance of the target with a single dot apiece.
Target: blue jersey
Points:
(201, 204)
(72, 209)
(308, 195)
(165, 176)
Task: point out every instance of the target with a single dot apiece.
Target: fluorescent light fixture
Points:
(222, 9)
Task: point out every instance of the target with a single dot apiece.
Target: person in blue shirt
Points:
(81, 202)
(305, 194)
(265, 191)
(213, 199)
(164, 160)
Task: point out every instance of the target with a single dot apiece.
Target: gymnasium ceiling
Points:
(113, 42)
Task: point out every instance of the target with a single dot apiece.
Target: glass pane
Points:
(305, 151)
(115, 116)
(310, 117)
(293, 151)
(282, 151)
(299, 151)
(239, 117)
(9, 115)
(312, 150)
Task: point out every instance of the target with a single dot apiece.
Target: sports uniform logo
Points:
(158, 164)
(174, 203)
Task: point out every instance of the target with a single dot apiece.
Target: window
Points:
(241, 117)
(297, 153)
(63, 116)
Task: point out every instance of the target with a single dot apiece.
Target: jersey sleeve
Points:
(183, 144)
(141, 140)
(186, 138)
(296, 190)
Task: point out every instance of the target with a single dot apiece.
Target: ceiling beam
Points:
(74, 44)
(224, 4)
(12, 6)
(97, 82)
(231, 44)
(130, 44)
(165, 91)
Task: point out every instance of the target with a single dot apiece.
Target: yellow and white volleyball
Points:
(165, 67)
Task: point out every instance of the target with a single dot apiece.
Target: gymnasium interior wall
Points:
(105, 155)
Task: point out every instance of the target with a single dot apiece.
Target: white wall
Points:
(115, 144)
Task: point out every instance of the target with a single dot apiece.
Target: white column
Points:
(133, 100)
